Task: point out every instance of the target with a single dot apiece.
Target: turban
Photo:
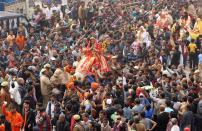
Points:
(94, 85)
(69, 84)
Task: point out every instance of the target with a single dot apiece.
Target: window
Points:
(24, 21)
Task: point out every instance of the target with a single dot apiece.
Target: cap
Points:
(109, 101)
(76, 117)
(13, 70)
(13, 106)
(114, 57)
(136, 67)
(196, 71)
(53, 58)
(47, 65)
(31, 68)
(43, 70)
(94, 85)
(5, 83)
(141, 94)
(57, 104)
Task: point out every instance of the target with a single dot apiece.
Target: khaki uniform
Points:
(46, 89)
(81, 13)
(79, 127)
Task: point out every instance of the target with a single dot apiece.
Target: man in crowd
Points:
(46, 87)
(13, 117)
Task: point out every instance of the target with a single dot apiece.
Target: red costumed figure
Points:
(162, 21)
(93, 60)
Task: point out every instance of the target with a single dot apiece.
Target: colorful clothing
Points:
(192, 47)
(92, 60)
(197, 29)
(15, 119)
(21, 42)
(162, 22)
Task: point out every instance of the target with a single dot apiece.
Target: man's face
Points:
(85, 118)
(46, 73)
(113, 60)
(2, 120)
(6, 87)
(90, 126)
(73, 99)
(105, 123)
(101, 115)
(13, 110)
(101, 88)
(52, 98)
(31, 30)
(82, 110)
(26, 105)
(38, 108)
(167, 80)
(173, 77)
(57, 108)
(131, 51)
(62, 119)
(92, 41)
(11, 33)
(2, 53)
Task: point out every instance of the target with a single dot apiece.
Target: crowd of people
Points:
(104, 66)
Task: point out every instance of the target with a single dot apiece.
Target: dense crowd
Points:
(152, 80)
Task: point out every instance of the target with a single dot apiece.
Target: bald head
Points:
(62, 117)
(21, 81)
(162, 108)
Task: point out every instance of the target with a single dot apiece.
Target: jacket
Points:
(75, 107)
(62, 126)
(21, 42)
(43, 122)
(3, 61)
(15, 119)
(162, 121)
(29, 119)
(187, 119)
(31, 99)
(107, 128)
(79, 127)
(14, 93)
(4, 96)
(81, 13)
(45, 85)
